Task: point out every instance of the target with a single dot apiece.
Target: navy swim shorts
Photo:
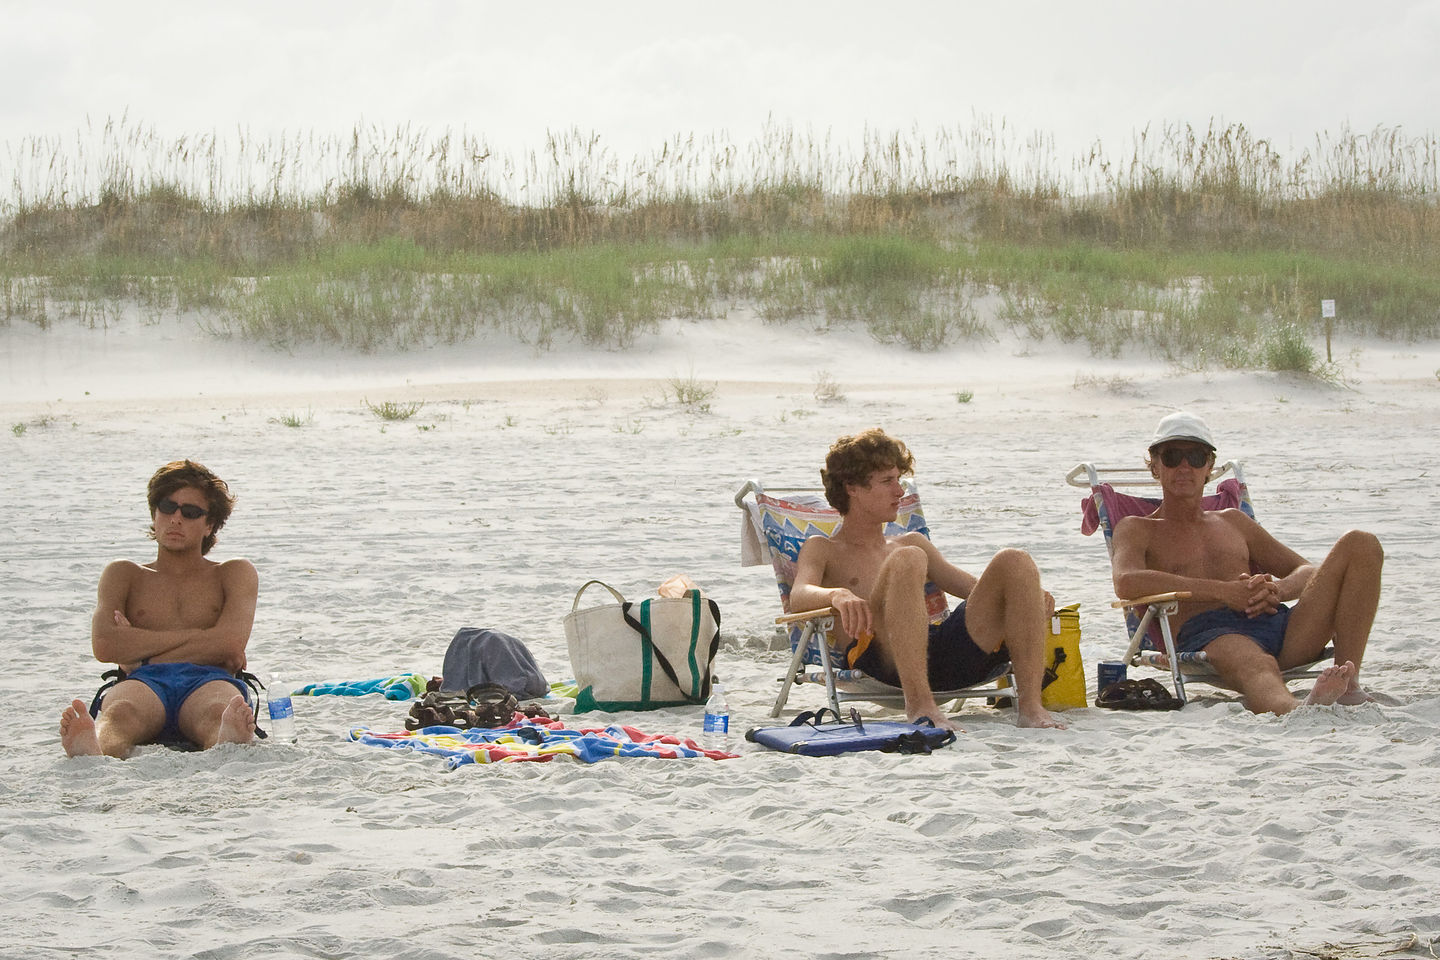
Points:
(1267, 630)
(954, 661)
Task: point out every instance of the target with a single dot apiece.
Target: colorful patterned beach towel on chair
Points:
(536, 741)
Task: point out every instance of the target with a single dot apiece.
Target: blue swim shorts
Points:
(173, 683)
(954, 661)
(1267, 630)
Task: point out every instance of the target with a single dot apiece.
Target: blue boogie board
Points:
(808, 736)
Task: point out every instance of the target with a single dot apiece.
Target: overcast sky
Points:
(637, 73)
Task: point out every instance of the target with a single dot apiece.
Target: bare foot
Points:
(1037, 718)
(1332, 684)
(237, 723)
(77, 731)
(935, 716)
(1354, 696)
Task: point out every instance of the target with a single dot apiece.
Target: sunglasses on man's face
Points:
(1195, 456)
(187, 510)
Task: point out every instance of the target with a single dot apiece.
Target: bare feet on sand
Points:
(1038, 718)
(1334, 683)
(1354, 694)
(79, 738)
(77, 731)
(237, 723)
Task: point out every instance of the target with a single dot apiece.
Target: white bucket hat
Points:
(1182, 426)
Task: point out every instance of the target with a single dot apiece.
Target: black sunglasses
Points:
(1195, 456)
(187, 510)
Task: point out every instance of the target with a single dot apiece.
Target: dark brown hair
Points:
(187, 473)
(855, 458)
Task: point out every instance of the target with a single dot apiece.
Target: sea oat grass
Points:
(1191, 242)
(1286, 349)
(690, 392)
(395, 410)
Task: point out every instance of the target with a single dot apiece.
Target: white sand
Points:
(1209, 833)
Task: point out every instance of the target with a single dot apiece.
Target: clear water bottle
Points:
(716, 734)
(282, 710)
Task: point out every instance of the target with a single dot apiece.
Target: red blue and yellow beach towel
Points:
(535, 740)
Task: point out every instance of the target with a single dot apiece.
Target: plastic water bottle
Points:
(282, 710)
(717, 720)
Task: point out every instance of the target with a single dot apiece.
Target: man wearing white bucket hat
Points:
(1251, 625)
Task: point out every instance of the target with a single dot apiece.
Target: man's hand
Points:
(854, 611)
(121, 620)
(1259, 594)
(1049, 604)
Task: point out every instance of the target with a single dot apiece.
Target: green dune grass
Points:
(1205, 247)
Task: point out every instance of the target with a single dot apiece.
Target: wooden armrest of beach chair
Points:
(1153, 598)
(806, 615)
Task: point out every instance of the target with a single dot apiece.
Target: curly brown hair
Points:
(187, 473)
(854, 459)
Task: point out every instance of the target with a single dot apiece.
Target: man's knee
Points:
(1362, 547)
(208, 703)
(908, 562)
(126, 715)
(1014, 565)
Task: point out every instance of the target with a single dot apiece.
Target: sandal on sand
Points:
(486, 706)
(495, 706)
(1119, 695)
(1145, 694)
(1156, 697)
(441, 708)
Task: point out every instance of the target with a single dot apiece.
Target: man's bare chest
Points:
(1207, 551)
(856, 569)
(158, 602)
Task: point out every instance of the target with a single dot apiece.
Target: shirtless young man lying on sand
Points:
(177, 626)
(876, 584)
(1238, 618)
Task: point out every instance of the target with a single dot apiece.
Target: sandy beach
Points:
(1203, 834)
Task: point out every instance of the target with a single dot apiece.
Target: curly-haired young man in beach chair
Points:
(1239, 579)
(876, 586)
(177, 627)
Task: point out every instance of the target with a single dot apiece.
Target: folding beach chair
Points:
(1147, 619)
(773, 529)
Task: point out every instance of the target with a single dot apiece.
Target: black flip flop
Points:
(1120, 695)
(1156, 697)
(1145, 694)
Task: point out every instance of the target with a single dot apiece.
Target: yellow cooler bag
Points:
(1064, 683)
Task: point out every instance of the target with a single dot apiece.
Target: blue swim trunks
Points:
(173, 683)
(954, 661)
(1267, 630)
